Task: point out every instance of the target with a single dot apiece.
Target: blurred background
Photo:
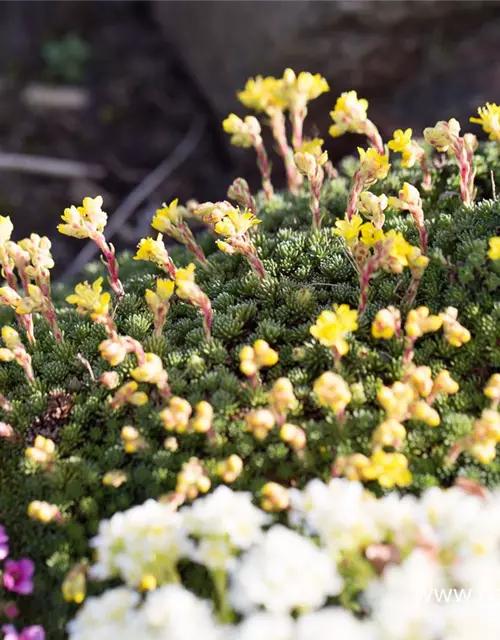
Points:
(125, 99)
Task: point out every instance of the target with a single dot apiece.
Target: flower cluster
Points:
(350, 115)
(411, 152)
(170, 220)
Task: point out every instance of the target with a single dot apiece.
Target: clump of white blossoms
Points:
(171, 612)
(145, 541)
(222, 523)
(423, 568)
(285, 572)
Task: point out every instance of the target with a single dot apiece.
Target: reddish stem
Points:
(265, 169)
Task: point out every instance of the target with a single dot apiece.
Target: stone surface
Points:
(418, 61)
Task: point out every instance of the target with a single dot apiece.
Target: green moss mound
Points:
(307, 272)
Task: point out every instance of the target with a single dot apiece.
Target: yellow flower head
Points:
(39, 251)
(114, 350)
(85, 221)
(454, 333)
(230, 469)
(306, 86)
(332, 391)
(372, 206)
(176, 416)
(254, 358)
(6, 229)
(408, 198)
(42, 451)
(370, 235)
(398, 250)
(395, 400)
(389, 433)
(349, 229)
(11, 338)
(420, 321)
(43, 511)
(281, 397)
(263, 94)
(34, 301)
(9, 297)
(244, 133)
(202, 421)
(236, 223)
(402, 142)
(386, 323)
(443, 135)
(159, 299)
(332, 326)
(373, 165)
(89, 299)
(260, 422)
(151, 370)
(489, 119)
(349, 114)
(494, 250)
(389, 469)
(74, 586)
(152, 250)
(167, 216)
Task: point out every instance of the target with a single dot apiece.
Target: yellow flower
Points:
(386, 323)
(349, 229)
(167, 216)
(389, 433)
(39, 251)
(400, 140)
(444, 383)
(389, 469)
(151, 370)
(443, 135)
(164, 291)
(9, 297)
(332, 326)
(492, 389)
(332, 391)
(244, 133)
(274, 497)
(372, 206)
(230, 469)
(489, 119)
(74, 586)
(6, 229)
(43, 511)
(254, 358)
(263, 94)
(42, 451)
(281, 397)
(34, 301)
(398, 250)
(420, 410)
(408, 198)
(11, 338)
(85, 221)
(202, 421)
(307, 85)
(152, 250)
(260, 422)
(349, 114)
(294, 436)
(128, 394)
(373, 165)
(454, 333)
(494, 250)
(89, 299)
(236, 223)
(176, 416)
(370, 235)
(419, 321)
(395, 400)
(114, 479)
(114, 350)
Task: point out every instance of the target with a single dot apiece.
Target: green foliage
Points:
(308, 272)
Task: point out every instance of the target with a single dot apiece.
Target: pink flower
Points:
(35, 632)
(10, 609)
(18, 575)
(4, 543)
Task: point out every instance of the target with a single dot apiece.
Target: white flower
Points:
(333, 623)
(229, 520)
(402, 600)
(341, 513)
(112, 615)
(145, 540)
(285, 572)
(174, 613)
(265, 626)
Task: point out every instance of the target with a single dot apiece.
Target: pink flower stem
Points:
(357, 188)
(111, 264)
(297, 117)
(374, 137)
(164, 390)
(169, 267)
(265, 168)
(159, 320)
(255, 263)
(426, 172)
(464, 159)
(316, 184)
(408, 352)
(278, 127)
(206, 309)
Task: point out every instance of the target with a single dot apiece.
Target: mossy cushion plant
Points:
(348, 326)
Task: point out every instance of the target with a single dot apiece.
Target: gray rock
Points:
(418, 61)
